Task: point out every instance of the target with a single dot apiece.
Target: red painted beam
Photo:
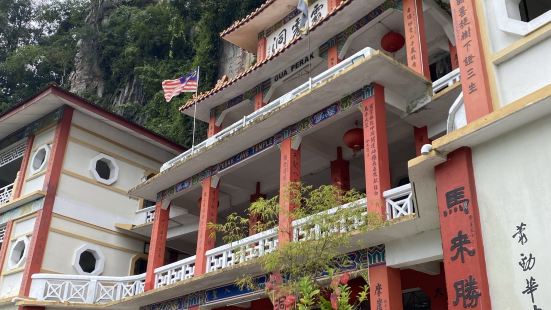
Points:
(208, 214)
(43, 219)
(157, 245)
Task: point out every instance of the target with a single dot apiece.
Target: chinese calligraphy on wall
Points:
(278, 36)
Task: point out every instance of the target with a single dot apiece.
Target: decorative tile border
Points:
(305, 124)
(250, 94)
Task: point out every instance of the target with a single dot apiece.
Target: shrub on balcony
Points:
(307, 273)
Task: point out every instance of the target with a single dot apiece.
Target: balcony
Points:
(85, 289)
(402, 86)
(102, 290)
(6, 193)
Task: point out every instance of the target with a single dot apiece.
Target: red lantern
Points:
(392, 42)
(354, 139)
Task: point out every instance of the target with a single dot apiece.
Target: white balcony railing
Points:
(175, 272)
(145, 216)
(97, 289)
(85, 289)
(399, 202)
(242, 250)
(5, 193)
(303, 230)
(446, 81)
(248, 119)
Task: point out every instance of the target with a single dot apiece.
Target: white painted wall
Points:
(512, 176)
(417, 249)
(10, 281)
(34, 184)
(525, 72)
(67, 236)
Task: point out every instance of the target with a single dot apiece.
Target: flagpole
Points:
(195, 112)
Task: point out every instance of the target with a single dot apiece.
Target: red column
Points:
(464, 263)
(208, 214)
(421, 136)
(386, 292)
(340, 172)
(259, 100)
(261, 50)
(213, 129)
(44, 216)
(289, 173)
(377, 169)
(416, 40)
(5, 244)
(23, 168)
(453, 56)
(474, 77)
(157, 246)
(253, 219)
(333, 56)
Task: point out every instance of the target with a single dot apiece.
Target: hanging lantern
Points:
(392, 42)
(354, 139)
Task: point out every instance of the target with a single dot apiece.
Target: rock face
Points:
(87, 76)
(233, 60)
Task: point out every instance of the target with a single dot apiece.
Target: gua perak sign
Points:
(283, 32)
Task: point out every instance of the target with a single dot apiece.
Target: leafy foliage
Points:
(137, 42)
(301, 269)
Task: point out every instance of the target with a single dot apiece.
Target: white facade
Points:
(512, 176)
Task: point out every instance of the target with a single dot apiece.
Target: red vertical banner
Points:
(157, 245)
(208, 214)
(290, 171)
(464, 263)
(385, 288)
(474, 78)
(416, 39)
(377, 169)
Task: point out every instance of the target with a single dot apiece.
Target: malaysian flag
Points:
(185, 84)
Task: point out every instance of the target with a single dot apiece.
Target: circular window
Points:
(40, 158)
(89, 260)
(18, 253)
(104, 169)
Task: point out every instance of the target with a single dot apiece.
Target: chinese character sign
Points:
(464, 262)
(280, 37)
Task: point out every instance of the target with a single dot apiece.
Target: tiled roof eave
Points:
(204, 95)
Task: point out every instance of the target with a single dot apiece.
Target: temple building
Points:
(437, 110)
